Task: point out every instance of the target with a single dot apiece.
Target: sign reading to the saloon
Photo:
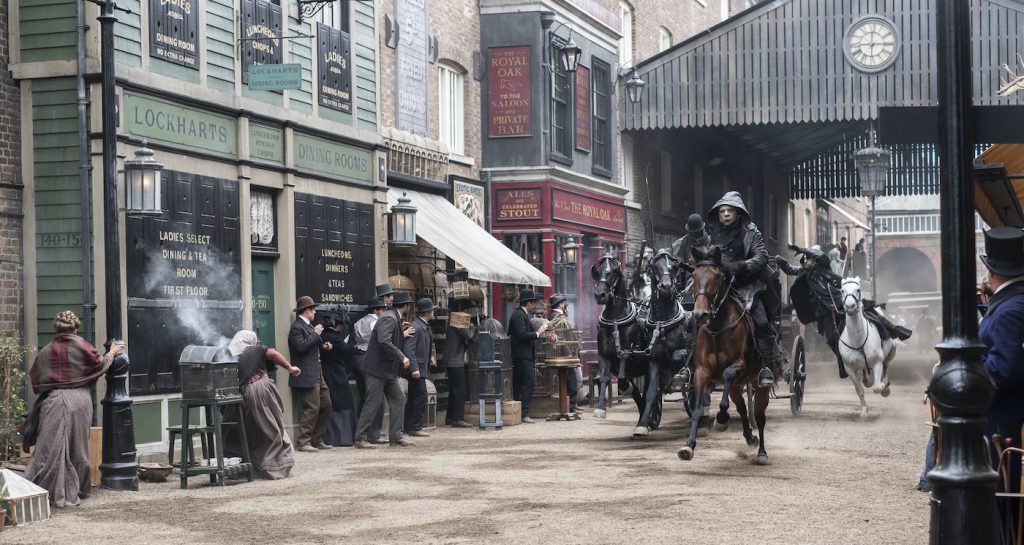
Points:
(582, 210)
(583, 108)
(470, 199)
(508, 92)
(333, 58)
(518, 204)
(261, 34)
(174, 31)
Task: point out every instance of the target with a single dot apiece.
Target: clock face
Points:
(872, 44)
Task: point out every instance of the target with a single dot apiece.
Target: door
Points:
(263, 300)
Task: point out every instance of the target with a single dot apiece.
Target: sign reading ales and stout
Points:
(333, 58)
(261, 34)
(174, 31)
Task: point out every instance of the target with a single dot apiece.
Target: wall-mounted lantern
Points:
(142, 183)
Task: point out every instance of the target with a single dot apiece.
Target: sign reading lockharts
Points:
(261, 34)
(518, 204)
(174, 31)
(509, 92)
(333, 57)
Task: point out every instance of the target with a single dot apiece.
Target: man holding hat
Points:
(309, 387)
(382, 363)
(362, 331)
(521, 331)
(1002, 330)
(419, 348)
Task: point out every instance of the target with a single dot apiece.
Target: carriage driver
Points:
(696, 235)
(742, 243)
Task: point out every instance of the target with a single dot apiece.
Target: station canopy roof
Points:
(485, 258)
(999, 187)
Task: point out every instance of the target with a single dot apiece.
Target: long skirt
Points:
(269, 444)
(341, 428)
(60, 462)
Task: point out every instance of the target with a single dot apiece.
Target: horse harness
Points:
(867, 334)
(615, 323)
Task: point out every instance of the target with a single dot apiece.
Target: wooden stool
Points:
(174, 432)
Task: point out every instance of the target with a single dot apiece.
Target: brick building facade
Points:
(11, 187)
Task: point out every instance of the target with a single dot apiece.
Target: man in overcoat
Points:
(309, 387)
(419, 349)
(362, 332)
(522, 334)
(453, 358)
(382, 363)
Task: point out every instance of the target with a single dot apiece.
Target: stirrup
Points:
(681, 379)
(765, 378)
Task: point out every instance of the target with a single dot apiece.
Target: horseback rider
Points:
(742, 243)
(696, 235)
(816, 297)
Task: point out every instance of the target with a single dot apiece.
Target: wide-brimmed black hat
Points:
(556, 299)
(527, 295)
(694, 224)
(303, 303)
(383, 289)
(376, 302)
(425, 305)
(1004, 251)
(401, 298)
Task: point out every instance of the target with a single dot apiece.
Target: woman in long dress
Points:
(62, 376)
(269, 445)
(341, 427)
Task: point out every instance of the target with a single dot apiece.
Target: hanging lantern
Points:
(634, 86)
(403, 222)
(571, 252)
(873, 167)
(570, 55)
(142, 183)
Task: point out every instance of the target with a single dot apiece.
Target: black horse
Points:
(665, 322)
(621, 338)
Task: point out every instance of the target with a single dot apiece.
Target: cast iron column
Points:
(963, 485)
(874, 234)
(119, 470)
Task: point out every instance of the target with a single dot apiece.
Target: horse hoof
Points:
(640, 431)
(600, 413)
(721, 426)
(702, 431)
(752, 440)
(685, 454)
(864, 414)
(885, 391)
(762, 460)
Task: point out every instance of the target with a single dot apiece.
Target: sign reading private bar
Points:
(583, 108)
(333, 250)
(508, 92)
(174, 31)
(261, 34)
(582, 210)
(518, 204)
(334, 52)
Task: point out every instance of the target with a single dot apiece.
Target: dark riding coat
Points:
(815, 292)
(754, 275)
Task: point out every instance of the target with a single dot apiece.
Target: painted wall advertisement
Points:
(583, 108)
(518, 204)
(470, 198)
(174, 31)
(582, 210)
(508, 92)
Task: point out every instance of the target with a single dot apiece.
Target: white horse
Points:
(862, 348)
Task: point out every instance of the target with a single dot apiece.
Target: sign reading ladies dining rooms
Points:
(174, 31)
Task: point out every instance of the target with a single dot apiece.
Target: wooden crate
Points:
(95, 454)
(511, 413)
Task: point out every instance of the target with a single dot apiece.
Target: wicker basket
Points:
(459, 320)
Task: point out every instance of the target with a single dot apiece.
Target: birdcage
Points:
(564, 351)
(460, 289)
(24, 501)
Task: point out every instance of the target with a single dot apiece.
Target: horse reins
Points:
(867, 330)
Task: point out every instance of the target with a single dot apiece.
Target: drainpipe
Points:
(84, 178)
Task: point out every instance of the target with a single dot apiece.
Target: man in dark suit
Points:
(309, 387)
(382, 364)
(521, 331)
(419, 349)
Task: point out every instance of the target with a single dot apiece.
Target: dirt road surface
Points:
(833, 478)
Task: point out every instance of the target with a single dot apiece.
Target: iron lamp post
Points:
(872, 169)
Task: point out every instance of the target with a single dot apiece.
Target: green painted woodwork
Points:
(332, 159)
(366, 87)
(176, 71)
(219, 53)
(174, 414)
(128, 34)
(148, 423)
(47, 30)
(301, 52)
(263, 300)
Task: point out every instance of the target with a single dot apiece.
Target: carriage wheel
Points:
(656, 414)
(796, 384)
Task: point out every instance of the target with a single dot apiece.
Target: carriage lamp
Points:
(142, 183)
(571, 253)
(634, 86)
(403, 222)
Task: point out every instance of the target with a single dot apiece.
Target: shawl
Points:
(69, 361)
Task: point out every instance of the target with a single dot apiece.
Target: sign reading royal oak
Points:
(332, 160)
(180, 126)
(582, 210)
(333, 57)
(174, 31)
(508, 92)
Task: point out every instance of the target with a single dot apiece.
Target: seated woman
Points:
(269, 445)
(62, 375)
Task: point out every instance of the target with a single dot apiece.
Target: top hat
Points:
(376, 302)
(556, 299)
(425, 305)
(401, 298)
(383, 289)
(1004, 251)
(303, 303)
(694, 224)
(526, 296)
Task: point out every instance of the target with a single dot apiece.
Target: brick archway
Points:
(908, 264)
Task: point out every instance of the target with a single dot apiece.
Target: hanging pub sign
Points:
(261, 34)
(508, 92)
(174, 31)
(334, 49)
(583, 108)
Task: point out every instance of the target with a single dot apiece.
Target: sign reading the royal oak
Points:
(261, 34)
(333, 56)
(508, 92)
(332, 160)
(180, 126)
(174, 31)
(582, 210)
(518, 204)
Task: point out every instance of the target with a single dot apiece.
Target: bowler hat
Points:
(527, 295)
(556, 299)
(376, 302)
(694, 224)
(303, 303)
(401, 298)
(1004, 251)
(425, 305)
(383, 289)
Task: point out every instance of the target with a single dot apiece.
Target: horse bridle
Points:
(720, 297)
(609, 286)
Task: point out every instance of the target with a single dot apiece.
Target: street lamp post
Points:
(873, 169)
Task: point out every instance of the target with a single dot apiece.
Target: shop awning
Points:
(847, 215)
(449, 230)
(999, 185)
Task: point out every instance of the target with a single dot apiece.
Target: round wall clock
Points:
(872, 43)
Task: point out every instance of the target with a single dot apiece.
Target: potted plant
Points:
(12, 394)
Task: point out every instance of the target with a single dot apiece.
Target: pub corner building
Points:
(273, 180)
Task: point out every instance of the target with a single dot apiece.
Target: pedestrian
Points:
(385, 292)
(834, 261)
(559, 320)
(844, 253)
(383, 362)
(270, 448)
(62, 376)
(453, 357)
(523, 335)
(926, 330)
(341, 427)
(420, 349)
(309, 388)
(860, 258)
(363, 330)
(696, 235)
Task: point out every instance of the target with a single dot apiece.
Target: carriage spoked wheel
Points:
(656, 413)
(799, 378)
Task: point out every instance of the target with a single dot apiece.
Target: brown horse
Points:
(724, 348)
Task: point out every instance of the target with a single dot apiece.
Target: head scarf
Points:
(242, 340)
